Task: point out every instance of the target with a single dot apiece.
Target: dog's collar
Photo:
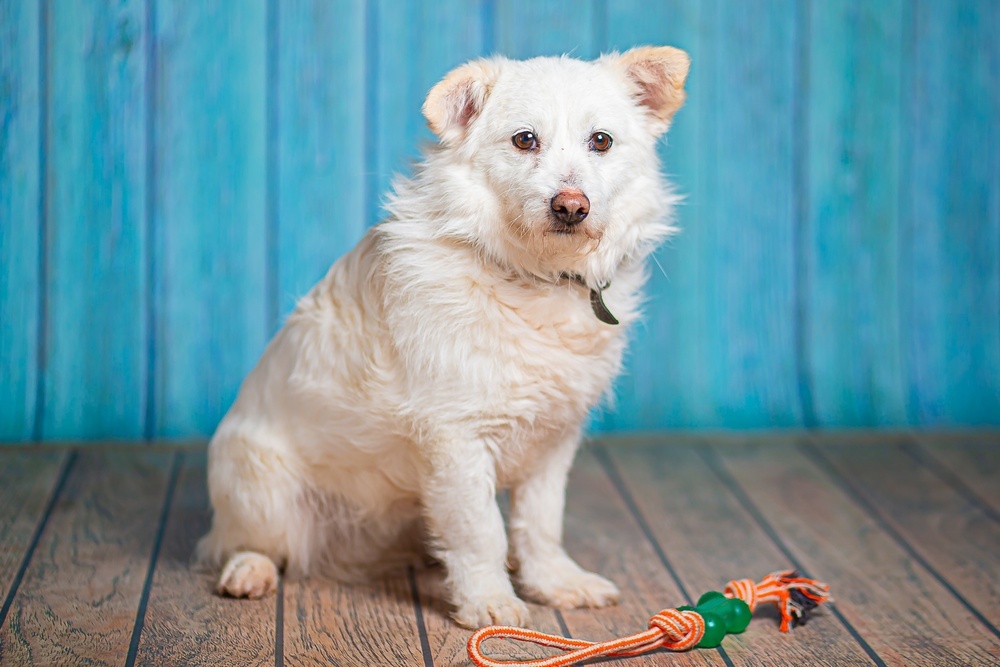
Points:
(596, 297)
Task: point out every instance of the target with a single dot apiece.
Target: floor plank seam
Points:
(841, 482)
(918, 454)
(601, 454)
(708, 454)
(37, 535)
(418, 611)
(140, 614)
(279, 624)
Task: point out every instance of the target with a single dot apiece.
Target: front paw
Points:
(568, 588)
(499, 609)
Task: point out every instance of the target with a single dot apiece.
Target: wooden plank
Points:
(209, 209)
(320, 125)
(447, 641)
(185, 622)
(603, 537)
(953, 536)
(973, 461)
(711, 539)
(27, 481)
(22, 108)
(951, 268)
(851, 234)
(403, 65)
(746, 247)
(654, 395)
(530, 28)
(367, 624)
(906, 615)
(96, 338)
(78, 599)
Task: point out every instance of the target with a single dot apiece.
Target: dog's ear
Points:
(659, 72)
(457, 99)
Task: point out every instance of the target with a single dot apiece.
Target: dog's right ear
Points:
(457, 99)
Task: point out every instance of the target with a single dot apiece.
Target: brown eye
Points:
(600, 141)
(526, 141)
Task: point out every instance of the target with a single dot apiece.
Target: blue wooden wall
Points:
(174, 173)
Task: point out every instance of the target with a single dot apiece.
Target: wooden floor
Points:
(95, 544)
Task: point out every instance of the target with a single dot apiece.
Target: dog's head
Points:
(552, 161)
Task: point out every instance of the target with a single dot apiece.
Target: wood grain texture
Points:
(973, 461)
(905, 614)
(21, 106)
(27, 482)
(447, 640)
(851, 239)
(77, 602)
(529, 28)
(746, 138)
(185, 622)
(654, 391)
(95, 286)
(951, 213)
(602, 536)
(955, 538)
(411, 46)
(366, 624)
(320, 129)
(209, 220)
(711, 539)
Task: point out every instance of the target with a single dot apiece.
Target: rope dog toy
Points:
(680, 629)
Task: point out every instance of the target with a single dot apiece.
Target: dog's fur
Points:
(451, 354)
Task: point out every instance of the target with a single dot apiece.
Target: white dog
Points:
(458, 348)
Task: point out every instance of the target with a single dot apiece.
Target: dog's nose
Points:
(570, 206)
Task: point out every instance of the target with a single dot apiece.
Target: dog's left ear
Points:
(457, 99)
(659, 72)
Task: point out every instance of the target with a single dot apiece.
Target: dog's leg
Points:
(468, 535)
(545, 573)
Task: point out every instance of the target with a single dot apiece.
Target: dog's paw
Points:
(571, 588)
(248, 575)
(501, 609)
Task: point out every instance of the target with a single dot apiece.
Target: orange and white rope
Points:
(671, 629)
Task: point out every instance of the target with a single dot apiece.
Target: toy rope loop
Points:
(672, 629)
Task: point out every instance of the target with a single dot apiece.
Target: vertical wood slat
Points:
(21, 100)
(852, 231)
(96, 293)
(78, 599)
(320, 128)
(209, 214)
(951, 213)
(185, 622)
(657, 388)
(529, 28)
(747, 138)
(906, 615)
(712, 539)
(412, 46)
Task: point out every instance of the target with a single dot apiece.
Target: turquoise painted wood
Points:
(95, 288)
(950, 282)
(174, 175)
(21, 231)
(210, 262)
(317, 176)
(851, 278)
